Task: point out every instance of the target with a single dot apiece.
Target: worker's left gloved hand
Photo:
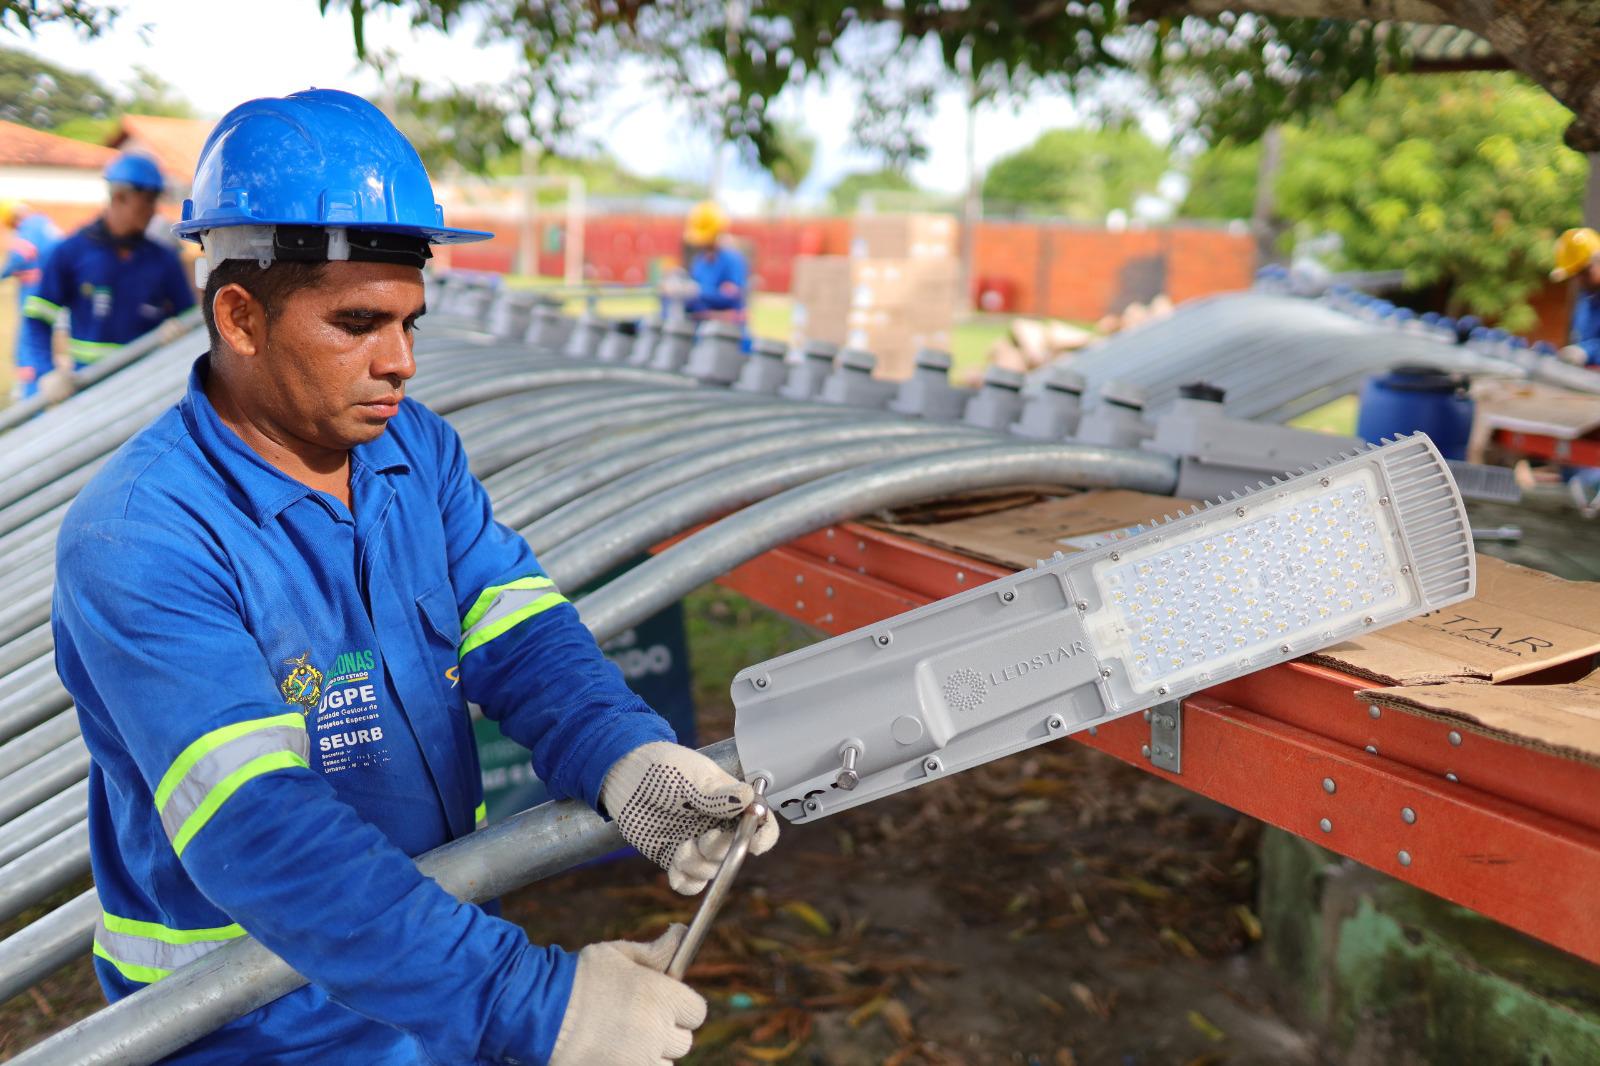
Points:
(1574, 354)
(57, 386)
(680, 809)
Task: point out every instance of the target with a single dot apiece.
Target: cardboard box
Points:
(1516, 662)
(906, 237)
(888, 307)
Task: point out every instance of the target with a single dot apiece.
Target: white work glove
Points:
(680, 809)
(677, 286)
(624, 1011)
(1573, 354)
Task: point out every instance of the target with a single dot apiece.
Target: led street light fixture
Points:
(1360, 543)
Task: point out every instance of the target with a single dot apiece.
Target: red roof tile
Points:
(22, 146)
(174, 142)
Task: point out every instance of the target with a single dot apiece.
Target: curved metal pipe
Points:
(536, 492)
(630, 532)
(48, 868)
(40, 948)
(28, 830)
(690, 563)
(573, 519)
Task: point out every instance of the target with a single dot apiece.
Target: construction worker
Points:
(113, 283)
(33, 236)
(273, 608)
(717, 282)
(1578, 256)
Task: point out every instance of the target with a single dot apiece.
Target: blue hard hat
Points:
(320, 158)
(140, 171)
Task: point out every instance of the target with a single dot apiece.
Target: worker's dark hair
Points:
(272, 286)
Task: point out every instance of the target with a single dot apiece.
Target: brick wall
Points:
(1059, 271)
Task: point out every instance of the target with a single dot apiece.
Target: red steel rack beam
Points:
(1584, 451)
(1509, 831)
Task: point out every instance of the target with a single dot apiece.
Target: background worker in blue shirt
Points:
(112, 282)
(272, 609)
(717, 284)
(33, 236)
(1578, 256)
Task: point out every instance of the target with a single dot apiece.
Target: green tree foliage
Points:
(1077, 174)
(37, 93)
(1462, 180)
(149, 93)
(845, 196)
(1222, 182)
(727, 62)
(793, 152)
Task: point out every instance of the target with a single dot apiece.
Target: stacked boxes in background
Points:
(896, 292)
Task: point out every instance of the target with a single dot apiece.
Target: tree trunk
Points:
(1264, 224)
(1555, 43)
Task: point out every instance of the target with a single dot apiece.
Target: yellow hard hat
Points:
(704, 224)
(1575, 250)
(10, 210)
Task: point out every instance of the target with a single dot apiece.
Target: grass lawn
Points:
(769, 317)
(1336, 417)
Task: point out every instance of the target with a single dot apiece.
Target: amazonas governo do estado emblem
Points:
(303, 686)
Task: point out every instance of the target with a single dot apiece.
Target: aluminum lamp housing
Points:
(1359, 543)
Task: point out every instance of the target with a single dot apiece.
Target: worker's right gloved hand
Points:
(1573, 354)
(624, 1011)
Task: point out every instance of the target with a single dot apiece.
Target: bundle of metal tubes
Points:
(596, 441)
(1277, 356)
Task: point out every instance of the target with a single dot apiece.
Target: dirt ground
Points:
(1053, 908)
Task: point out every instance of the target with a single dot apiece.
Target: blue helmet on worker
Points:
(314, 176)
(137, 171)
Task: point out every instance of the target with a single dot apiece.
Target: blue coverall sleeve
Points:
(41, 310)
(1586, 325)
(731, 272)
(526, 658)
(151, 624)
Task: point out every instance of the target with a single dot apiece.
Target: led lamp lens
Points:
(1304, 567)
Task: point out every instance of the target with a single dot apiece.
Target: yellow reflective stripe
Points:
(479, 637)
(168, 935)
(144, 974)
(90, 351)
(278, 760)
(486, 598)
(481, 815)
(42, 309)
(211, 742)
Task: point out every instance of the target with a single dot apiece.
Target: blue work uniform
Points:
(274, 691)
(113, 289)
(32, 241)
(724, 280)
(1586, 323)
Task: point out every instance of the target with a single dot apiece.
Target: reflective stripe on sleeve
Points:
(146, 951)
(42, 309)
(211, 769)
(501, 607)
(90, 351)
(480, 817)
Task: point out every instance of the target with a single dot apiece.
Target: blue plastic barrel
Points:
(1411, 399)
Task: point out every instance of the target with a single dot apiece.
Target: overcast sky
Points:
(224, 51)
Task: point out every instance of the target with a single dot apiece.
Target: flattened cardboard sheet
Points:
(1505, 663)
